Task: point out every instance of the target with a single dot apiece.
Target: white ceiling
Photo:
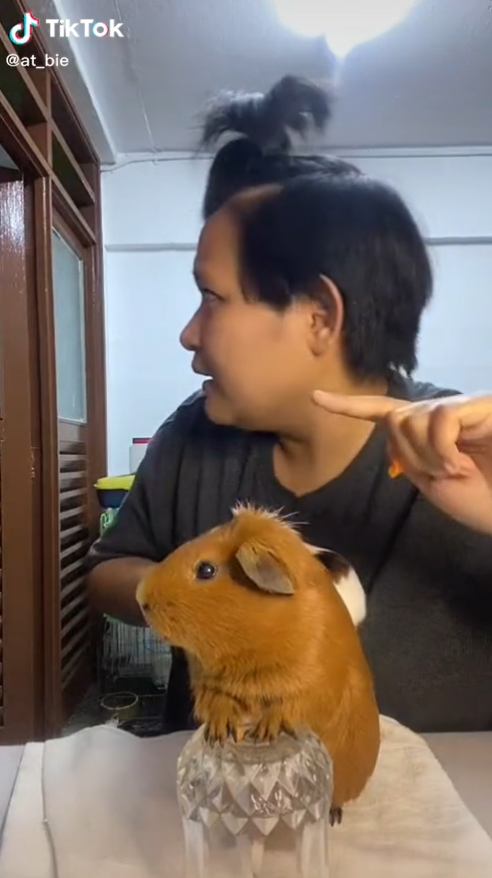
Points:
(427, 83)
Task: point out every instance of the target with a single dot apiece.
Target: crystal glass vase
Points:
(254, 810)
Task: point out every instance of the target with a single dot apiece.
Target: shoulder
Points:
(402, 387)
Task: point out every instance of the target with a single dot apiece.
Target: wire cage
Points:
(135, 663)
(130, 651)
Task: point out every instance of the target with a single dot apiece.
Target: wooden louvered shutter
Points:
(75, 628)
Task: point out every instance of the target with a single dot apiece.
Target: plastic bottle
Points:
(137, 453)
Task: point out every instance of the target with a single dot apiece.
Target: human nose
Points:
(190, 335)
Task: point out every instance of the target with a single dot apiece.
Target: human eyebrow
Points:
(202, 287)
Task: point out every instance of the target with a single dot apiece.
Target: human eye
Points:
(209, 295)
(206, 293)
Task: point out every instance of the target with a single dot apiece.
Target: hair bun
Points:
(267, 120)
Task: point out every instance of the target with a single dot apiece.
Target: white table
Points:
(467, 759)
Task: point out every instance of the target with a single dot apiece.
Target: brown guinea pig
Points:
(270, 635)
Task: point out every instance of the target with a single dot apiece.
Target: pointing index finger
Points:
(366, 408)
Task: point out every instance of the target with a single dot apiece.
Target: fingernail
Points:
(321, 396)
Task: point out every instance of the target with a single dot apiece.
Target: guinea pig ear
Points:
(264, 570)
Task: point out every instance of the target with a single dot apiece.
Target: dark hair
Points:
(262, 152)
(359, 233)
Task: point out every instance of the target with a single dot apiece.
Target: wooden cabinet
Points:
(52, 394)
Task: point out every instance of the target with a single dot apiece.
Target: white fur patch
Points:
(349, 587)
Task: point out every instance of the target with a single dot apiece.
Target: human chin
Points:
(217, 407)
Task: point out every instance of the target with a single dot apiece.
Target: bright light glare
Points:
(344, 23)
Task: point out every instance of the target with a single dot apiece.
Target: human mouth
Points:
(200, 371)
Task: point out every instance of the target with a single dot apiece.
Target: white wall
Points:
(151, 218)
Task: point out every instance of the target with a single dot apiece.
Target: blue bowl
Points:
(111, 498)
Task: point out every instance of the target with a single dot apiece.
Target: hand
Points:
(444, 446)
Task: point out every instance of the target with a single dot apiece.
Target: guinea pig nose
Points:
(145, 606)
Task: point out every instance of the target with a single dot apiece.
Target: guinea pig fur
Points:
(271, 638)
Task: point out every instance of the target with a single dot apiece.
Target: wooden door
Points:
(71, 510)
(21, 659)
(71, 281)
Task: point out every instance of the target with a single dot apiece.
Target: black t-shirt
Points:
(428, 579)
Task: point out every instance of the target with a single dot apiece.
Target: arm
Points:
(112, 586)
(139, 536)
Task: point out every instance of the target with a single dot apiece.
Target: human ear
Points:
(327, 315)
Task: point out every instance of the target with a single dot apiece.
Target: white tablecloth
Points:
(102, 804)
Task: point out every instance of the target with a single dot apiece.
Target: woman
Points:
(314, 277)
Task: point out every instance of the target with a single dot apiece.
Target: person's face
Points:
(261, 362)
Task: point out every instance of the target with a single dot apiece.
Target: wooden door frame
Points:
(49, 441)
(21, 581)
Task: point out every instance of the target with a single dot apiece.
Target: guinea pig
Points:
(271, 639)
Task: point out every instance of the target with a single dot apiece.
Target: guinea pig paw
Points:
(336, 815)
(270, 726)
(216, 730)
(235, 731)
(223, 720)
(208, 734)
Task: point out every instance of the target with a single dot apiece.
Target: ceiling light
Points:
(344, 23)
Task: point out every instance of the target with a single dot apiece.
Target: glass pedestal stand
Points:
(253, 810)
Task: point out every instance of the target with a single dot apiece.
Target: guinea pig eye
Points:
(205, 570)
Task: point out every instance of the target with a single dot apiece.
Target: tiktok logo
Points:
(21, 33)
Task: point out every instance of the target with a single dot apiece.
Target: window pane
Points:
(68, 296)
